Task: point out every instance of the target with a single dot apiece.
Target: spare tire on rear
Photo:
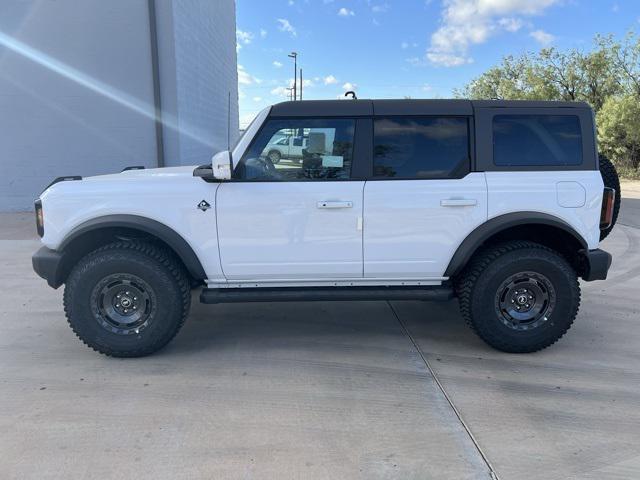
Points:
(611, 180)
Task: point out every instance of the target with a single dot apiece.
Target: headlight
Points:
(39, 218)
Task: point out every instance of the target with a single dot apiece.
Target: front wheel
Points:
(274, 156)
(519, 297)
(127, 299)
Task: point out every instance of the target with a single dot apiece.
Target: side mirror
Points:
(221, 165)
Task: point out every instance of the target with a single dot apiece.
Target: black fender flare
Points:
(495, 225)
(146, 225)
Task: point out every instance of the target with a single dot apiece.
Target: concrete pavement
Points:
(334, 390)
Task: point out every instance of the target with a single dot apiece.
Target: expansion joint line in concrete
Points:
(492, 473)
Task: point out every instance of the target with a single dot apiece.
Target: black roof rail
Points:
(63, 179)
(134, 167)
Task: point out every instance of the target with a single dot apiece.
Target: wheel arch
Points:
(99, 231)
(534, 226)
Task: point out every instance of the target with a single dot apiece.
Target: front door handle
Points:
(458, 202)
(334, 204)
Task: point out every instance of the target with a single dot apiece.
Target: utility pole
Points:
(294, 55)
(301, 83)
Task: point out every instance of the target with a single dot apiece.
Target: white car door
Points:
(298, 221)
(422, 201)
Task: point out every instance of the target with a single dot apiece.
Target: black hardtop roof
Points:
(339, 108)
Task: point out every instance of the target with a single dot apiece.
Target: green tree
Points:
(624, 59)
(619, 132)
(549, 75)
(508, 81)
(607, 77)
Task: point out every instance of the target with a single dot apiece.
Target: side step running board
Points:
(311, 294)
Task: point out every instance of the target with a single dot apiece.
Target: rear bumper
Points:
(597, 263)
(48, 264)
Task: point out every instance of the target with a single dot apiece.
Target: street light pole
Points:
(294, 55)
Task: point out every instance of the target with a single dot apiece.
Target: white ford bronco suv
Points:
(501, 204)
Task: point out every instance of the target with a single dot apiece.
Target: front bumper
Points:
(597, 263)
(49, 265)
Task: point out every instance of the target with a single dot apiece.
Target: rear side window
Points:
(421, 147)
(536, 140)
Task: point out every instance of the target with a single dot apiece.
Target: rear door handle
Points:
(334, 204)
(459, 202)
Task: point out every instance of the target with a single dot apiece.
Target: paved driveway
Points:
(321, 391)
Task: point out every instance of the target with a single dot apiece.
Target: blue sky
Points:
(390, 49)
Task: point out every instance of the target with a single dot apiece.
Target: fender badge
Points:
(204, 205)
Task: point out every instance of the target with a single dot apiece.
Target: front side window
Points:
(537, 140)
(299, 149)
(421, 147)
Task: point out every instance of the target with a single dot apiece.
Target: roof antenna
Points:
(352, 93)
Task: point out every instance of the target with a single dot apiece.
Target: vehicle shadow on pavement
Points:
(262, 324)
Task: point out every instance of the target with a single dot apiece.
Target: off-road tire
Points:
(611, 180)
(162, 275)
(274, 156)
(479, 285)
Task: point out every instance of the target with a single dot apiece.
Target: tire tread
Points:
(468, 279)
(163, 259)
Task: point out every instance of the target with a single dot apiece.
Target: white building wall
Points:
(76, 88)
(205, 53)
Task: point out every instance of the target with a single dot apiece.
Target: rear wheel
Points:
(127, 299)
(611, 180)
(519, 297)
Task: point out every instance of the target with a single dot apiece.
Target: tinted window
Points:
(300, 149)
(542, 140)
(421, 147)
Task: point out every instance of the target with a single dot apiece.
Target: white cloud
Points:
(244, 78)
(345, 12)
(416, 62)
(542, 37)
(349, 86)
(447, 59)
(426, 87)
(383, 7)
(244, 37)
(330, 80)
(404, 45)
(510, 24)
(465, 23)
(285, 26)
(280, 92)
(263, 33)
(257, 99)
(277, 64)
(291, 3)
(284, 90)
